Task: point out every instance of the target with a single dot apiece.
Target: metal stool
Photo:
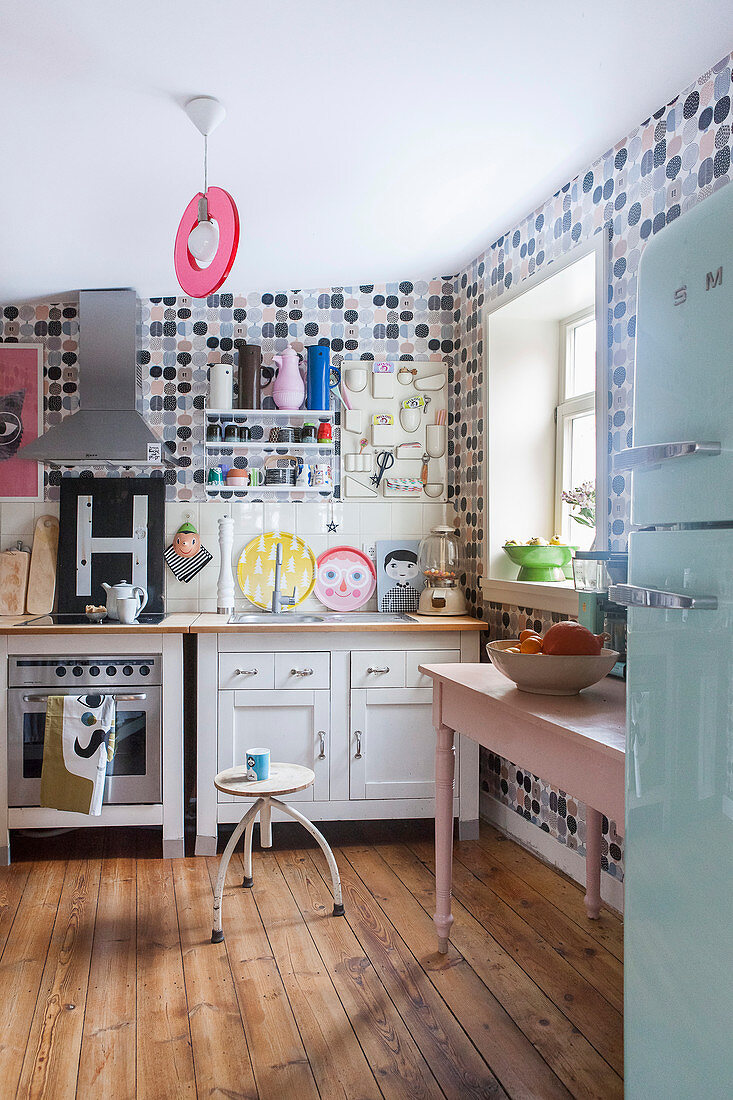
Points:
(284, 779)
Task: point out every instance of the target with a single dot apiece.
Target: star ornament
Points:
(332, 527)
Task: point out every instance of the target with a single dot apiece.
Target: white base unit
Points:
(358, 715)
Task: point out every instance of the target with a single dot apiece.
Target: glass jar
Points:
(439, 558)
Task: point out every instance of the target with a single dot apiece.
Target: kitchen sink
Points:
(243, 618)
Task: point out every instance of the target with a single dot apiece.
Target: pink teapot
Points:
(288, 389)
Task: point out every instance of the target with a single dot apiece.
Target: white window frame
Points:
(568, 409)
(559, 597)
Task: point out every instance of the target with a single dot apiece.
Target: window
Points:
(540, 406)
(575, 451)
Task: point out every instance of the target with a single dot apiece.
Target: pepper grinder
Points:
(225, 583)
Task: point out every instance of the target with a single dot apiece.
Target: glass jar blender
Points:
(439, 559)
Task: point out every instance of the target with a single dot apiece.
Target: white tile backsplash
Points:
(357, 524)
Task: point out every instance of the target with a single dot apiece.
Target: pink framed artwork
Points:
(21, 420)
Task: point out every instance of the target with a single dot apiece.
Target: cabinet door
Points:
(393, 728)
(294, 725)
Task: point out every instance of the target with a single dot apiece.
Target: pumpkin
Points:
(571, 639)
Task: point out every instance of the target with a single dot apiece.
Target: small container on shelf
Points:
(216, 476)
(213, 432)
(231, 433)
(243, 433)
(308, 433)
(325, 432)
(237, 479)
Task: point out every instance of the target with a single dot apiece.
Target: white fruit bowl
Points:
(541, 674)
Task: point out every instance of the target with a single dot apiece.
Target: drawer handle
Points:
(357, 735)
(385, 669)
(246, 671)
(322, 737)
(301, 671)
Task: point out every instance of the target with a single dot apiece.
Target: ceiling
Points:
(364, 142)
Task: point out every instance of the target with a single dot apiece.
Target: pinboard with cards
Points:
(394, 442)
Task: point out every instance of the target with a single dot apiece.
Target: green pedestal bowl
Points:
(540, 563)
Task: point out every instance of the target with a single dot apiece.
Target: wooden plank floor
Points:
(110, 987)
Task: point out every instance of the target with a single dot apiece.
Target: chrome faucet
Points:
(277, 599)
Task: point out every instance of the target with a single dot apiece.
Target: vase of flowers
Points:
(582, 501)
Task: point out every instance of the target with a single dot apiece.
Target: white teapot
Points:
(123, 590)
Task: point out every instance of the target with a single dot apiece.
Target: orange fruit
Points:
(570, 639)
(531, 645)
(527, 634)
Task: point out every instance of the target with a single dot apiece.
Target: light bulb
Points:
(203, 241)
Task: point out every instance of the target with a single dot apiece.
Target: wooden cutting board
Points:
(14, 566)
(42, 574)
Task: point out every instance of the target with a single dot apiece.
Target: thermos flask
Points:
(318, 394)
(251, 376)
(221, 376)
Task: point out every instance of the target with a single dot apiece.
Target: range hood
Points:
(108, 427)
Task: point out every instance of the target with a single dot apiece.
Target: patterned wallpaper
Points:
(179, 338)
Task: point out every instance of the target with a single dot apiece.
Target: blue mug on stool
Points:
(318, 394)
(258, 764)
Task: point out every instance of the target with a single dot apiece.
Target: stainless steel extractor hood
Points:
(108, 427)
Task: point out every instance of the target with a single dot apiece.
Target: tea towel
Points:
(78, 743)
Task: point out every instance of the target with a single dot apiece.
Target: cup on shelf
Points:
(128, 608)
(213, 432)
(216, 476)
(325, 434)
(231, 433)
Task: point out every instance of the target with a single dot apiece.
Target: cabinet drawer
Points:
(378, 668)
(302, 670)
(417, 679)
(247, 671)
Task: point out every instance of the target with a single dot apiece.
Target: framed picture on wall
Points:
(399, 581)
(21, 420)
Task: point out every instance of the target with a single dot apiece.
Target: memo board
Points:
(378, 388)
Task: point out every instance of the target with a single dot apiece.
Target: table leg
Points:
(445, 756)
(593, 834)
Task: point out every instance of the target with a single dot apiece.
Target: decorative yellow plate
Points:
(256, 569)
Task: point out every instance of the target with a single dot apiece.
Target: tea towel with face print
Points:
(79, 741)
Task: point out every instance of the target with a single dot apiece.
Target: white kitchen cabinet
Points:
(304, 694)
(392, 743)
(294, 725)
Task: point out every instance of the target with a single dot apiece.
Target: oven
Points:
(135, 773)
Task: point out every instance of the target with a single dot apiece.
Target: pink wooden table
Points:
(576, 742)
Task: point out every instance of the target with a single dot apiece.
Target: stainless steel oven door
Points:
(133, 776)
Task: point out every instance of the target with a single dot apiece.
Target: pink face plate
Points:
(345, 578)
(197, 281)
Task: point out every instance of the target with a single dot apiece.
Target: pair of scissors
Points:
(385, 461)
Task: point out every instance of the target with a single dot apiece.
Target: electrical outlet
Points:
(240, 331)
(185, 302)
(617, 508)
(370, 549)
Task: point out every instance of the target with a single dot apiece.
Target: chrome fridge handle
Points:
(636, 458)
(632, 595)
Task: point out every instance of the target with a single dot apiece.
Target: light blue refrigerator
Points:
(679, 755)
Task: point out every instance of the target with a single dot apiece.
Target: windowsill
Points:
(560, 597)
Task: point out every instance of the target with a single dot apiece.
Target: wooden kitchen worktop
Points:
(178, 623)
(185, 623)
(217, 624)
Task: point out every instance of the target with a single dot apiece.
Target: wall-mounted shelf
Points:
(254, 453)
(270, 414)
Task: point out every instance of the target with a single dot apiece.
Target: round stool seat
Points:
(284, 779)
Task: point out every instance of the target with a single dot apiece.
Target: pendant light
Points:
(208, 233)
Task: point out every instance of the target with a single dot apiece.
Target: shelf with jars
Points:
(271, 454)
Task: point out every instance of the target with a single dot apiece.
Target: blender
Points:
(439, 560)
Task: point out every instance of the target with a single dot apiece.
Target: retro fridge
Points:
(679, 761)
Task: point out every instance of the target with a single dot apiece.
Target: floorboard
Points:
(110, 985)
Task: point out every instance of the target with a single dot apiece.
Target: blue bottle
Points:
(318, 394)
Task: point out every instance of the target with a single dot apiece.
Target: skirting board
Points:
(547, 848)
